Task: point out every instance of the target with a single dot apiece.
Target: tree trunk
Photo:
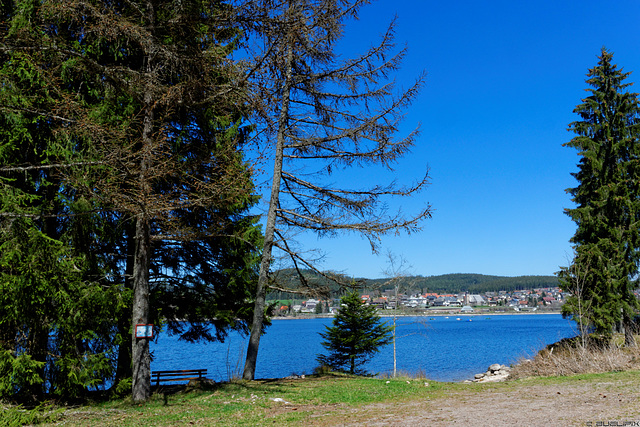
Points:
(258, 312)
(394, 335)
(141, 379)
(269, 233)
(123, 368)
(261, 292)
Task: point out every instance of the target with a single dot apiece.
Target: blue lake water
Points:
(445, 349)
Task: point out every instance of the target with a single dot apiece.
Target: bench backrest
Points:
(181, 375)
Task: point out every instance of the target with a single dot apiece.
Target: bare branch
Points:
(47, 166)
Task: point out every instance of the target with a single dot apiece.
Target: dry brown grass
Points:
(570, 357)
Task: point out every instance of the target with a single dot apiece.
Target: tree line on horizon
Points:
(454, 283)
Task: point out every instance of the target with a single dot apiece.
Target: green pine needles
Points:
(125, 194)
(607, 199)
(356, 335)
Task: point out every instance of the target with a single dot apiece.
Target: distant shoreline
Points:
(435, 314)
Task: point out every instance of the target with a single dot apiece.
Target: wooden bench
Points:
(172, 376)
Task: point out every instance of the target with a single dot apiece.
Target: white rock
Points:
(281, 400)
(494, 378)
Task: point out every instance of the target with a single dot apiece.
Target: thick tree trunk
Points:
(141, 379)
(261, 292)
(141, 360)
(258, 314)
(123, 367)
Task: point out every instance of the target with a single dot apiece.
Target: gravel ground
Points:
(588, 404)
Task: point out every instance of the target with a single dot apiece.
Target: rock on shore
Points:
(495, 373)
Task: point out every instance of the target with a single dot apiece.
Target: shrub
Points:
(569, 356)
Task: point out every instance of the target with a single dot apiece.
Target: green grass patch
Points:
(291, 402)
(19, 416)
(631, 376)
(283, 402)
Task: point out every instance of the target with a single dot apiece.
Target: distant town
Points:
(420, 295)
(542, 299)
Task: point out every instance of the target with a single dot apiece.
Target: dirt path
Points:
(588, 404)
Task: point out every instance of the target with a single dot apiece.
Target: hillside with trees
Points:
(446, 283)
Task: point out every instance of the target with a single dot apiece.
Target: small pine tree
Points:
(356, 334)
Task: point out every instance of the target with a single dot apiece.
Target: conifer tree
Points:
(607, 199)
(55, 311)
(355, 336)
(134, 112)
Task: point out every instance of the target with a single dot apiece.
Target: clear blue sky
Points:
(503, 80)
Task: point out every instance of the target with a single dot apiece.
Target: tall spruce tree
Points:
(607, 198)
(139, 111)
(355, 336)
(55, 311)
(319, 116)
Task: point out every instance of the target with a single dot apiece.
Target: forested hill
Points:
(473, 283)
(447, 283)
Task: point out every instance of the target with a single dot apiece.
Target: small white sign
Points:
(144, 331)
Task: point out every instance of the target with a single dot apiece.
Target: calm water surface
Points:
(445, 349)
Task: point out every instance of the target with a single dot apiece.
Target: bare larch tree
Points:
(320, 116)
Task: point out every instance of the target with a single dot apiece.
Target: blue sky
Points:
(503, 78)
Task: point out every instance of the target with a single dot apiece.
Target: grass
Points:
(331, 398)
(328, 399)
(266, 402)
(17, 416)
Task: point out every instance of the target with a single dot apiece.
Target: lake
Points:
(453, 348)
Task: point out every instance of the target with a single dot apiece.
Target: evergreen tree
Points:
(607, 201)
(55, 311)
(172, 167)
(120, 146)
(355, 336)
